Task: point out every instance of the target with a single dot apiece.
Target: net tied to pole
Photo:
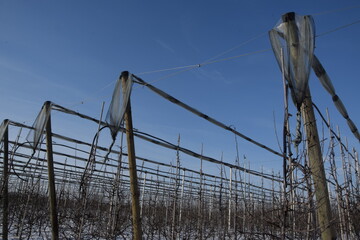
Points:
(38, 126)
(294, 35)
(119, 102)
(293, 42)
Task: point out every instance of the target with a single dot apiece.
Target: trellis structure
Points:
(235, 202)
(90, 181)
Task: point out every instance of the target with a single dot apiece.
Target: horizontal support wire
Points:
(39, 171)
(202, 115)
(184, 150)
(147, 138)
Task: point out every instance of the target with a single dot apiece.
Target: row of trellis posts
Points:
(51, 179)
(294, 34)
(251, 210)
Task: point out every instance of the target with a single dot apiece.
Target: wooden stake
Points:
(142, 196)
(230, 195)
(51, 180)
(177, 178)
(338, 190)
(200, 201)
(346, 205)
(5, 220)
(135, 206)
(181, 196)
(357, 169)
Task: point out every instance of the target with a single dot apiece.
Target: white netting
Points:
(294, 36)
(38, 126)
(327, 84)
(3, 128)
(119, 102)
(323, 77)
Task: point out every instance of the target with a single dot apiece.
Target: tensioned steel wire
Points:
(174, 146)
(97, 173)
(202, 115)
(149, 138)
(189, 67)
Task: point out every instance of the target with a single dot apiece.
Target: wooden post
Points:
(177, 178)
(200, 201)
(317, 170)
(338, 189)
(245, 209)
(142, 196)
(222, 233)
(181, 196)
(230, 195)
(347, 186)
(5, 220)
(51, 180)
(357, 169)
(312, 141)
(135, 204)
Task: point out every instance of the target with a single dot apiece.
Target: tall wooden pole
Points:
(323, 207)
(313, 144)
(135, 204)
(5, 220)
(51, 180)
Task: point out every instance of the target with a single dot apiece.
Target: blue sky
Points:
(71, 52)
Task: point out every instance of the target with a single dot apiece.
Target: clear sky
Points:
(71, 53)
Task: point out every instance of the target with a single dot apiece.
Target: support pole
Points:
(142, 196)
(51, 180)
(5, 220)
(200, 201)
(312, 140)
(175, 204)
(181, 197)
(317, 170)
(230, 196)
(135, 204)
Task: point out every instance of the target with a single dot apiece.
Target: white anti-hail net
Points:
(327, 84)
(293, 42)
(3, 128)
(38, 126)
(118, 105)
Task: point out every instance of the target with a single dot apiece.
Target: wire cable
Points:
(212, 60)
(335, 10)
(338, 28)
(208, 63)
(208, 60)
(202, 115)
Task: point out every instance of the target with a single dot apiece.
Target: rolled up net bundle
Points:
(38, 126)
(118, 105)
(327, 84)
(293, 42)
(3, 128)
